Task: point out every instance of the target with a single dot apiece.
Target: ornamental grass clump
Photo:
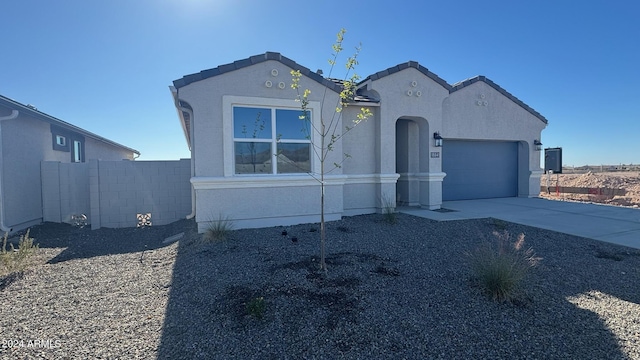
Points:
(256, 307)
(389, 211)
(218, 229)
(12, 260)
(499, 268)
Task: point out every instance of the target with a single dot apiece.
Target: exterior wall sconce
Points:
(438, 139)
(537, 144)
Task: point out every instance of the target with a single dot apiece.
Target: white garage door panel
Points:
(479, 169)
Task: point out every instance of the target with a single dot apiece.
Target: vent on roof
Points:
(32, 107)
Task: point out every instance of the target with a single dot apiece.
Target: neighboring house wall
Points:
(113, 193)
(27, 138)
(98, 150)
(25, 143)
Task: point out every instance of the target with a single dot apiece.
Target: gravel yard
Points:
(392, 291)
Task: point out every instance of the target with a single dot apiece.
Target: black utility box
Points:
(553, 160)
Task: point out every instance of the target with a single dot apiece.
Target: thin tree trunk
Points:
(323, 265)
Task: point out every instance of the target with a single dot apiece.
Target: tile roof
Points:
(407, 65)
(336, 84)
(236, 65)
(455, 87)
(464, 83)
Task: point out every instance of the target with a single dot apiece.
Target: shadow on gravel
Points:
(83, 242)
(398, 291)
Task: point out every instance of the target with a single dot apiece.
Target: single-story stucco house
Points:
(427, 141)
(27, 138)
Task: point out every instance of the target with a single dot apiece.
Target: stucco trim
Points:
(372, 179)
(238, 182)
(430, 176)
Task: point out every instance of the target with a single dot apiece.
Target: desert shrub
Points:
(256, 307)
(389, 211)
(218, 229)
(12, 260)
(500, 267)
(500, 225)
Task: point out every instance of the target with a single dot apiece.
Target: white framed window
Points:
(271, 140)
(61, 140)
(77, 151)
(287, 140)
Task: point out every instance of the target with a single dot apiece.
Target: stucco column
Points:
(431, 189)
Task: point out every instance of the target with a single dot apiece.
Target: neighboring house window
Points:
(61, 140)
(77, 155)
(262, 134)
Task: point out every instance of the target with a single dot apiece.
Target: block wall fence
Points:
(113, 193)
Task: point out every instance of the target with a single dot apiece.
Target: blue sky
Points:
(106, 65)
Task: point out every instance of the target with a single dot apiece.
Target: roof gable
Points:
(336, 85)
(462, 84)
(256, 59)
(407, 65)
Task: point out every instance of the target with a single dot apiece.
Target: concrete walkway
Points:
(613, 224)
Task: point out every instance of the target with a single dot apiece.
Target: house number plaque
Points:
(435, 154)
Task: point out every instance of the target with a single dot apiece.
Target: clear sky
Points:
(106, 65)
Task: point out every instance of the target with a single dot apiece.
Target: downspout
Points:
(181, 110)
(3, 227)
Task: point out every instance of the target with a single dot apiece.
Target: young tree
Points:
(330, 131)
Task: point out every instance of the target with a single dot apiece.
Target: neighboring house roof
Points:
(32, 111)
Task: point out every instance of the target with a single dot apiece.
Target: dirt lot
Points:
(629, 181)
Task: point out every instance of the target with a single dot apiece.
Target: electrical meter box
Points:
(553, 160)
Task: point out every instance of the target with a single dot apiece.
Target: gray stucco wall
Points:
(217, 188)
(25, 143)
(393, 154)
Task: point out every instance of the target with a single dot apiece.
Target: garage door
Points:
(479, 169)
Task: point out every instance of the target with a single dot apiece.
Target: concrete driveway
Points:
(612, 224)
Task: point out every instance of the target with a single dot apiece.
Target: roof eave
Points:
(54, 120)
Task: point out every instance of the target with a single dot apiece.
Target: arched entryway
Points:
(412, 162)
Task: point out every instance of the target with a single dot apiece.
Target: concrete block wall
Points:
(128, 188)
(112, 193)
(65, 187)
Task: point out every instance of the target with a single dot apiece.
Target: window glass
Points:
(253, 157)
(290, 126)
(77, 151)
(251, 123)
(294, 158)
(61, 140)
(259, 150)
